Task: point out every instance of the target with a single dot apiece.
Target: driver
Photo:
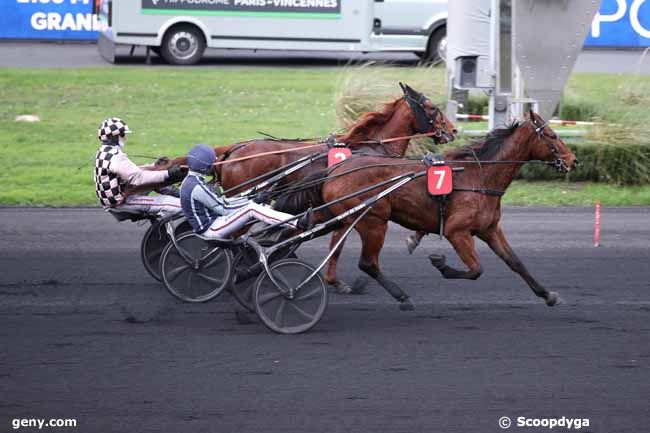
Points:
(215, 216)
(114, 172)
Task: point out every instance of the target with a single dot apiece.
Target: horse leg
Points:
(496, 240)
(463, 243)
(414, 240)
(342, 288)
(372, 232)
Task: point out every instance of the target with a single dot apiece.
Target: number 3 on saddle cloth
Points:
(336, 155)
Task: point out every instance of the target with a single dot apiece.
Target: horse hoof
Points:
(359, 287)
(438, 261)
(342, 288)
(406, 305)
(552, 299)
(411, 244)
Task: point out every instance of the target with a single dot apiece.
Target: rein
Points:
(297, 186)
(276, 152)
(390, 140)
(301, 186)
(492, 162)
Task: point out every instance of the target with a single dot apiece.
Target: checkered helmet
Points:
(112, 128)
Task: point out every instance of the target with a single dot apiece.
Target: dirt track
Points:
(107, 346)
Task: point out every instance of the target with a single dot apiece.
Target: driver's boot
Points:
(305, 222)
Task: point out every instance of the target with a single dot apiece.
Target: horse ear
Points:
(531, 114)
(401, 85)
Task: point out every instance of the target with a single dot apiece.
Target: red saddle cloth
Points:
(439, 180)
(336, 155)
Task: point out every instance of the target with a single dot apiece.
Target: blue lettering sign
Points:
(621, 23)
(48, 19)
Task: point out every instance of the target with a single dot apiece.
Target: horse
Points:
(403, 117)
(473, 208)
(411, 114)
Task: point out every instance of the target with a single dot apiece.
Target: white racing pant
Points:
(163, 205)
(226, 225)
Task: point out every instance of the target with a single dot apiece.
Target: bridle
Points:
(559, 163)
(424, 122)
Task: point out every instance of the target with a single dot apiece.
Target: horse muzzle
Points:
(442, 137)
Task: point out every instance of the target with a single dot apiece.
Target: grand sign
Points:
(48, 19)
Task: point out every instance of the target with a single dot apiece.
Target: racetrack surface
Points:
(87, 334)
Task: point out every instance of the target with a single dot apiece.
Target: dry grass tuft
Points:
(367, 87)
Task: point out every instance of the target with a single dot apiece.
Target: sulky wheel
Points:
(153, 244)
(197, 274)
(275, 307)
(246, 267)
(243, 282)
(151, 248)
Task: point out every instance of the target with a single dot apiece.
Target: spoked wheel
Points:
(242, 287)
(277, 309)
(246, 267)
(206, 275)
(154, 242)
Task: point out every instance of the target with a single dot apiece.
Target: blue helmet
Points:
(201, 158)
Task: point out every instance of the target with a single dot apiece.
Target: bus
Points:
(180, 30)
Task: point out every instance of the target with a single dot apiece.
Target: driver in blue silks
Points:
(215, 216)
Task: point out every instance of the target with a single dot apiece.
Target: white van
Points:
(180, 30)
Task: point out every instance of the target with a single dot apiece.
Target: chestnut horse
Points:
(411, 114)
(472, 209)
(405, 116)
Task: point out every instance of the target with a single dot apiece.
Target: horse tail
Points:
(303, 195)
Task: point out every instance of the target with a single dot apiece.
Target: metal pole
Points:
(494, 53)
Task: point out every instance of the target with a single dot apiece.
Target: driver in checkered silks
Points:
(114, 172)
(213, 215)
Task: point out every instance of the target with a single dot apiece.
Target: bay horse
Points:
(413, 113)
(472, 209)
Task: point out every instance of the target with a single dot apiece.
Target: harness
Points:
(559, 163)
(423, 121)
(416, 101)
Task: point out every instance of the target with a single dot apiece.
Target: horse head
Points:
(428, 118)
(548, 146)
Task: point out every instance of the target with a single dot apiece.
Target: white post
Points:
(494, 63)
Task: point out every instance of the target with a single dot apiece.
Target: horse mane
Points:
(486, 147)
(304, 194)
(368, 121)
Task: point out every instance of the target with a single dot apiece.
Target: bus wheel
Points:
(183, 45)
